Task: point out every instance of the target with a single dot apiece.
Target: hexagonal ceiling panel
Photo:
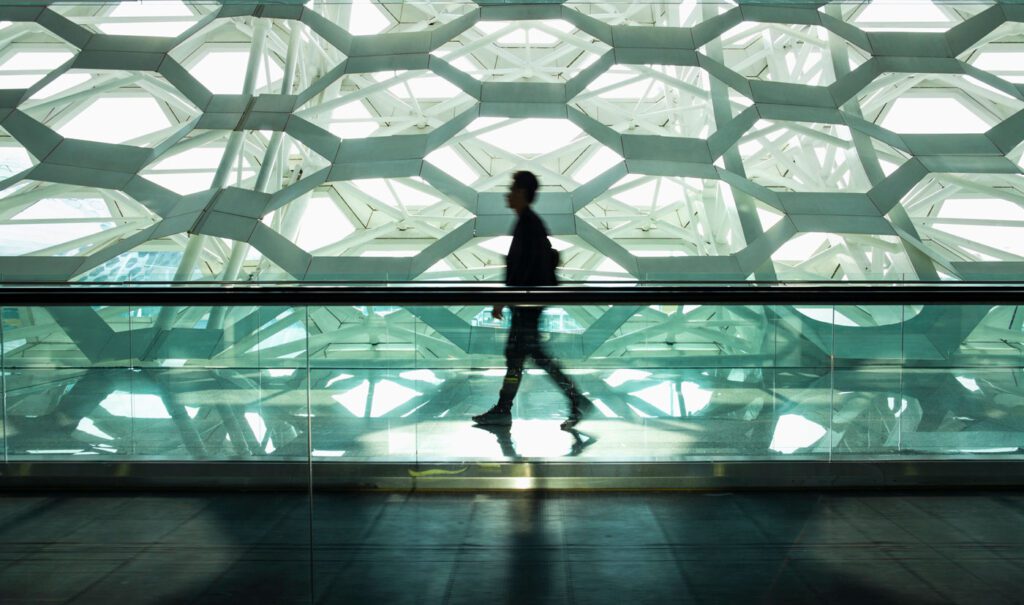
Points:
(219, 55)
(549, 50)
(557, 150)
(969, 217)
(396, 217)
(134, 108)
(667, 100)
(28, 53)
(886, 15)
(164, 19)
(775, 52)
(936, 103)
(651, 14)
(659, 216)
(308, 141)
(386, 103)
(367, 18)
(50, 219)
(804, 156)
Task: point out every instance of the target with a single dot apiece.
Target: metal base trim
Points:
(513, 475)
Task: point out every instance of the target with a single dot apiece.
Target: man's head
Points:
(522, 191)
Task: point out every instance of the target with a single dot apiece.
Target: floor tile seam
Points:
(345, 563)
(940, 594)
(199, 513)
(973, 542)
(15, 519)
(786, 559)
(738, 503)
(82, 524)
(925, 513)
(926, 544)
(453, 571)
(955, 561)
(103, 577)
(851, 522)
(680, 570)
(245, 548)
(369, 527)
(335, 578)
(570, 585)
(281, 519)
(1009, 503)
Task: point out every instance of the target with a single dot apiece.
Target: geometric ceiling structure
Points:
(353, 140)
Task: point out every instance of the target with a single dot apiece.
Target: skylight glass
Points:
(323, 223)
(901, 15)
(366, 18)
(193, 169)
(165, 18)
(527, 138)
(223, 71)
(551, 50)
(116, 120)
(22, 69)
(917, 115)
(18, 239)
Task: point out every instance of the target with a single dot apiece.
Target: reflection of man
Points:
(531, 262)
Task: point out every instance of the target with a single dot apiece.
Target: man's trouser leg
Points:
(554, 370)
(515, 356)
(529, 345)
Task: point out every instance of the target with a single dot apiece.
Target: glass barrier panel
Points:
(869, 342)
(799, 421)
(867, 415)
(68, 386)
(364, 382)
(962, 381)
(220, 383)
(403, 383)
(946, 336)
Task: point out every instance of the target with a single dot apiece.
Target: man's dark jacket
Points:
(530, 257)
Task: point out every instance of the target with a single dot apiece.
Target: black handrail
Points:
(449, 293)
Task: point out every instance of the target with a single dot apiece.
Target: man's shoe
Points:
(574, 417)
(581, 409)
(496, 416)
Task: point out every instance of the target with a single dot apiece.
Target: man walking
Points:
(531, 262)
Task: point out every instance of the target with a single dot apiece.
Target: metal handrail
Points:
(449, 293)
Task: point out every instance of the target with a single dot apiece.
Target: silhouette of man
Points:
(531, 262)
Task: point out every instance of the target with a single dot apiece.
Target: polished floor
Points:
(794, 547)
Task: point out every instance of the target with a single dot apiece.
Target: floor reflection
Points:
(503, 434)
(504, 437)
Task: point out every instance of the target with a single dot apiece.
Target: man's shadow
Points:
(580, 440)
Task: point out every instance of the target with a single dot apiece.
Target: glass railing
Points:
(675, 373)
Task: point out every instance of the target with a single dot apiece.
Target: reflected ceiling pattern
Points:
(401, 383)
(365, 139)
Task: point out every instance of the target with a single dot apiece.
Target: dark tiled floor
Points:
(923, 547)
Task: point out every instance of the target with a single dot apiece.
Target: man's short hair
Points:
(527, 182)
